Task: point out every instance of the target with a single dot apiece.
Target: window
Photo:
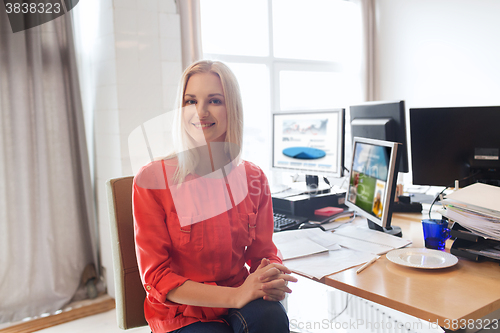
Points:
(287, 55)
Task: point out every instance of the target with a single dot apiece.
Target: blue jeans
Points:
(258, 316)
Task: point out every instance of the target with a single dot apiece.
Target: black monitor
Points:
(455, 143)
(382, 121)
(310, 142)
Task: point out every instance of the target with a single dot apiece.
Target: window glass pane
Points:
(305, 90)
(325, 30)
(254, 85)
(235, 27)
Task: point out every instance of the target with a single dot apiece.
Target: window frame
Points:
(275, 65)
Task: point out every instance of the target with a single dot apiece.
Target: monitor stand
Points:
(393, 230)
(313, 185)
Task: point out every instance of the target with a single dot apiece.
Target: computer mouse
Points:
(307, 225)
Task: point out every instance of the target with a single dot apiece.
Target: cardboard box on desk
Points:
(471, 246)
(306, 204)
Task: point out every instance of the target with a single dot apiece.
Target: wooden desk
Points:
(466, 291)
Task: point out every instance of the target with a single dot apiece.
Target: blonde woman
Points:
(202, 216)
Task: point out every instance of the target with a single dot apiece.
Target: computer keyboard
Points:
(287, 222)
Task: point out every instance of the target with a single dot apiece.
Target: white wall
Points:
(438, 52)
(130, 62)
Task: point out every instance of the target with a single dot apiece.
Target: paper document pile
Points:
(476, 208)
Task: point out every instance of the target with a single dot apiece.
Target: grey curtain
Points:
(189, 12)
(47, 230)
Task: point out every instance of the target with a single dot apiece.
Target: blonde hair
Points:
(187, 157)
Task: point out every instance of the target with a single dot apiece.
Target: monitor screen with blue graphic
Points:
(310, 142)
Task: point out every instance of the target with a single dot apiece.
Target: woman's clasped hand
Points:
(269, 281)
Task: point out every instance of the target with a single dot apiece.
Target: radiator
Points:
(316, 308)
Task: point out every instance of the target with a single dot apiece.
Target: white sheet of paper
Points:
(304, 242)
(323, 238)
(299, 248)
(360, 245)
(373, 236)
(327, 263)
(296, 243)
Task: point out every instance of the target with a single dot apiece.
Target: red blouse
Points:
(204, 230)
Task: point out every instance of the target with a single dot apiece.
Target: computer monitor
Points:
(382, 121)
(455, 143)
(372, 182)
(309, 142)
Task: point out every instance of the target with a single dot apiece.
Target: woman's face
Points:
(204, 112)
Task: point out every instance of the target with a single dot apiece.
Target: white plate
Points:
(422, 258)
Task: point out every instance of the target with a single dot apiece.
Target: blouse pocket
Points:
(248, 223)
(189, 236)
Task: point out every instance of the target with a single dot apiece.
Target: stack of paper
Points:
(476, 208)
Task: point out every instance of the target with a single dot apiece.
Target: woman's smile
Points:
(203, 125)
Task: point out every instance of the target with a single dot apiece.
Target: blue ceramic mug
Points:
(436, 233)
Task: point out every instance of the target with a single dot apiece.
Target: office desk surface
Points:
(468, 290)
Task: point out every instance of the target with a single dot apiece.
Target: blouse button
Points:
(148, 287)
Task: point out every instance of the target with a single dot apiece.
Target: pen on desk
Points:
(342, 218)
(367, 264)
